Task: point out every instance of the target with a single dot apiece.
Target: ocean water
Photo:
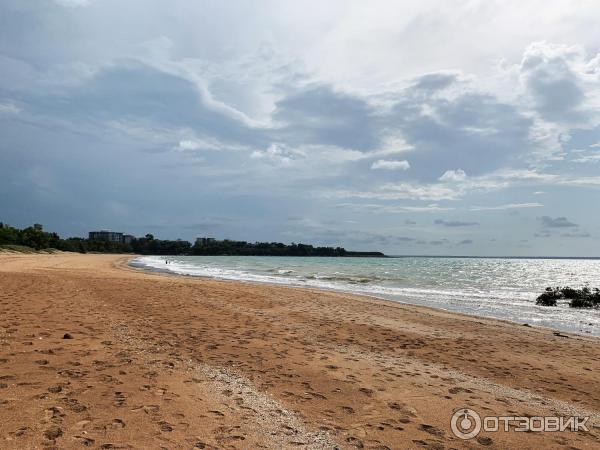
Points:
(500, 288)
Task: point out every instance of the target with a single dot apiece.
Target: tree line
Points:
(243, 248)
(36, 238)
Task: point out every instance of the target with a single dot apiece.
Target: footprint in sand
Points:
(54, 413)
(53, 433)
(405, 409)
(204, 446)
(116, 424)
(74, 405)
(85, 441)
(368, 392)
(355, 442)
(148, 409)
(431, 429)
(165, 427)
(484, 440)
(433, 445)
(456, 390)
(119, 398)
(82, 424)
(22, 431)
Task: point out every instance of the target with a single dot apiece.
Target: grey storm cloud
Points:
(558, 222)
(137, 92)
(475, 132)
(438, 242)
(577, 235)
(319, 115)
(454, 223)
(435, 81)
(553, 83)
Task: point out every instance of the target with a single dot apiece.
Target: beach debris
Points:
(559, 334)
(67, 336)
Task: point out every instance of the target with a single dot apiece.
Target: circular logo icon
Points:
(465, 424)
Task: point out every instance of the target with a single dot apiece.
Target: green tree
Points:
(8, 235)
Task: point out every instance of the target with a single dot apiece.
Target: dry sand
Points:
(159, 361)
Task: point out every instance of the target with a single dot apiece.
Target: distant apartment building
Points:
(128, 238)
(105, 235)
(204, 241)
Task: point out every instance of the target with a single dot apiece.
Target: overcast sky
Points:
(433, 127)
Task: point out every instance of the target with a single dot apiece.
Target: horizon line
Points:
(493, 257)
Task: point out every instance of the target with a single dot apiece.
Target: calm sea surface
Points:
(499, 288)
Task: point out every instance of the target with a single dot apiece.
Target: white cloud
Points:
(588, 158)
(453, 175)
(433, 207)
(278, 154)
(9, 108)
(391, 145)
(400, 191)
(390, 165)
(199, 144)
(73, 3)
(523, 175)
(377, 33)
(579, 181)
(507, 206)
(450, 190)
(188, 145)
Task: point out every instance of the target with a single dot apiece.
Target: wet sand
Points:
(155, 361)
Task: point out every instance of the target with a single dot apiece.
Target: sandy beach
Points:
(96, 354)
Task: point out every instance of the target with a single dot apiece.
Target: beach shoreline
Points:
(189, 362)
(353, 295)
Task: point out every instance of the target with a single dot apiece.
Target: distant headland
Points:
(104, 241)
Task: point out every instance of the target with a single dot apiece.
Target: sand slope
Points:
(170, 362)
